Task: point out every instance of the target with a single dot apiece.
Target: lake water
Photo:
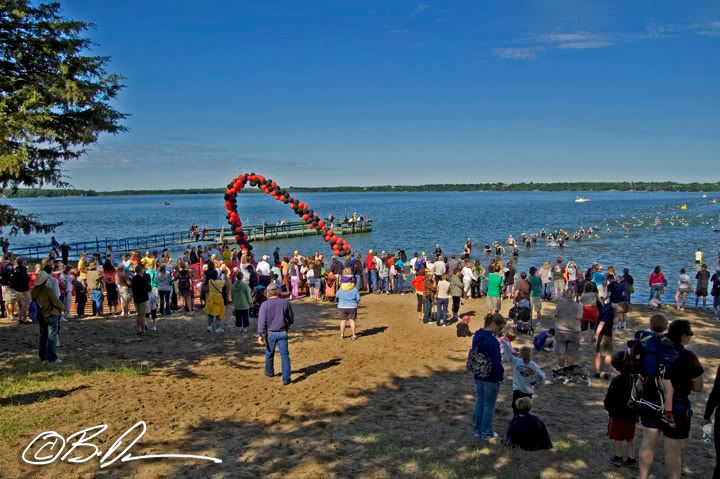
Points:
(656, 230)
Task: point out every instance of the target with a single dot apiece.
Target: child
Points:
(526, 430)
(112, 294)
(525, 373)
(80, 297)
(463, 327)
(506, 349)
(604, 340)
(545, 340)
(621, 425)
(242, 300)
(153, 310)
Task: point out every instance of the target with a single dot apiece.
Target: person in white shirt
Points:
(439, 267)
(263, 270)
(468, 276)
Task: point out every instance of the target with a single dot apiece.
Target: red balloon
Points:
(321, 223)
(346, 247)
(305, 217)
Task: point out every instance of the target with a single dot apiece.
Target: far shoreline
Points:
(579, 187)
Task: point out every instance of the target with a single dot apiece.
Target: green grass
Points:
(25, 381)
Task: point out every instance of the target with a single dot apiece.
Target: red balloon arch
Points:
(339, 246)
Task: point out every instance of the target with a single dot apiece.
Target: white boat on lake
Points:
(580, 199)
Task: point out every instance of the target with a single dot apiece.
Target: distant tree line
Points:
(577, 186)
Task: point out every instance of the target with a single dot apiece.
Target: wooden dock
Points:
(180, 238)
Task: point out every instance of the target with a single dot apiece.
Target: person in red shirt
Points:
(657, 282)
(418, 283)
(372, 270)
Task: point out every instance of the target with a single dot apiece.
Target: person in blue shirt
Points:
(348, 299)
(486, 354)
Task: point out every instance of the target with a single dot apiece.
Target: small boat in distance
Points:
(704, 195)
(580, 199)
(164, 203)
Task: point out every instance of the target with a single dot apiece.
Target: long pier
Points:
(180, 238)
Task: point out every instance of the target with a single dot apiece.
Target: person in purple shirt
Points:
(274, 319)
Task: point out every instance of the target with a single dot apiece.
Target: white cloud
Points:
(570, 37)
(527, 53)
(584, 45)
(710, 30)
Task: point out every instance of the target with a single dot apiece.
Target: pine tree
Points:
(55, 100)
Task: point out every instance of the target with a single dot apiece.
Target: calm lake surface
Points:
(645, 229)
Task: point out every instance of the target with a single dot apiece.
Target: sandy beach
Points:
(395, 403)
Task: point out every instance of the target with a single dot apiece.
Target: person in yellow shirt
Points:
(82, 268)
(148, 261)
(215, 305)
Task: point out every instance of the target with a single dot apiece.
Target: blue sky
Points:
(402, 92)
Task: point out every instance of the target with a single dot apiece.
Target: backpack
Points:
(6, 276)
(34, 311)
(647, 358)
(649, 354)
(184, 281)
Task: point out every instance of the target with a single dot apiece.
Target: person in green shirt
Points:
(536, 290)
(242, 300)
(495, 285)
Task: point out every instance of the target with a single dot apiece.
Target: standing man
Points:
(8, 294)
(703, 281)
(568, 314)
(558, 278)
(485, 364)
(274, 319)
(371, 267)
(263, 271)
(65, 253)
(48, 317)
(141, 296)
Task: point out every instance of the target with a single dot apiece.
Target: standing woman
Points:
(682, 291)
(165, 286)
(122, 280)
(686, 376)
(657, 283)
(82, 268)
(546, 277)
(418, 282)
(242, 300)
(348, 301)
(294, 279)
(456, 291)
(429, 290)
(710, 408)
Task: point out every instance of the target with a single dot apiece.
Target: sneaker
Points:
(219, 330)
(154, 328)
(606, 377)
(616, 461)
(630, 462)
(354, 338)
(492, 438)
(57, 361)
(596, 375)
(209, 329)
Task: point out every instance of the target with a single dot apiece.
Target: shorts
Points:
(619, 430)
(125, 294)
(494, 303)
(9, 295)
(590, 314)
(535, 303)
(699, 292)
(559, 283)
(419, 302)
(142, 309)
(22, 298)
(347, 314)
(567, 344)
(604, 345)
(681, 415)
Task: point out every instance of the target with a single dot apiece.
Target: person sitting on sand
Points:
(527, 431)
(463, 327)
(545, 340)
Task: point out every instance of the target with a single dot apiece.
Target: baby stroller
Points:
(258, 297)
(522, 315)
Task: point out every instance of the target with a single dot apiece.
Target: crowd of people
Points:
(590, 304)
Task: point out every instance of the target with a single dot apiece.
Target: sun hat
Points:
(466, 319)
(41, 277)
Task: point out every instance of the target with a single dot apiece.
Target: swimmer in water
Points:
(487, 249)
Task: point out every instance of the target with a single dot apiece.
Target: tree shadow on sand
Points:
(174, 351)
(418, 426)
